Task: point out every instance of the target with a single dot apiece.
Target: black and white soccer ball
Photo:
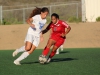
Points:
(42, 59)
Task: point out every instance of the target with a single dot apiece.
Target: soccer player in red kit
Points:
(57, 37)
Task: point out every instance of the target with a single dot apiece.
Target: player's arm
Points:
(43, 32)
(68, 28)
(29, 21)
(66, 32)
(41, 37)
(47, 29)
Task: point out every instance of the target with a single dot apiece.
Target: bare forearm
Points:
(44, 31)
(68, 30)
(47, 29)
(29, 21)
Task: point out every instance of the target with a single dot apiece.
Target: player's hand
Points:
(33, 26)
(63, 35)
(41, 39)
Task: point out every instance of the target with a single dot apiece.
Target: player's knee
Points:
(48, 45)
(30, 52)
(55, 48)
(27, 48)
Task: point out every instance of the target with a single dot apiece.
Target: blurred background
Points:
(82, 15)
(17, 11)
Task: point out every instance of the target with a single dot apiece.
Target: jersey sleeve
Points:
(65, 24)
(47, 28)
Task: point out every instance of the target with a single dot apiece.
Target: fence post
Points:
(23, 16)
(50, 10)
(1, 14)
(83, 11)
(77, 11)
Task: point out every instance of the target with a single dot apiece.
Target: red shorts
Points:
(59, 40)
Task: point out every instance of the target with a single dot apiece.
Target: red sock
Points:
(46, 51)
(52, 54)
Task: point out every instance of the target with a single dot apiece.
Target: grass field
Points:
(72, 61)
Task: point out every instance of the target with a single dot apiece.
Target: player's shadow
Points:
(63, 59)
(63, 52)
(30, 62)
(53, 60)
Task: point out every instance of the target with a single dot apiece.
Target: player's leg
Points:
(34, 44)
(52, 53)
(23, 48)
(28, 47)
(47, 48)
(55, 47)
(28, 44)
(24, 55)
(57, 52)
(27, 53)
(32, 49)
(61, 47)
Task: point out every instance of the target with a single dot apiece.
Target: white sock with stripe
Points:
(22, 49)
(23, 56)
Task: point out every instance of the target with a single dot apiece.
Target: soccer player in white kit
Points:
(36, 21)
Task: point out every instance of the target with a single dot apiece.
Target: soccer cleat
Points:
(49, 59)
(61, 49)
(57, 52)
(14, 53)
(17, 62)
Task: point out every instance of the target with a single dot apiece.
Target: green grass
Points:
(78, 61)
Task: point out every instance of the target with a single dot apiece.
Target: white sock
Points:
(22, 49)
(57, 50)
(23, 56)
(61, 47)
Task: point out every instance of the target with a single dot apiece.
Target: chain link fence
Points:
(19, 15)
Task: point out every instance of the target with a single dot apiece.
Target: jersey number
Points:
(41, 25)
(55, 28)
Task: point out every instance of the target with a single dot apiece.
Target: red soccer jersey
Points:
(58, 29)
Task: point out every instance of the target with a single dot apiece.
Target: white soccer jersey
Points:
(39, 24)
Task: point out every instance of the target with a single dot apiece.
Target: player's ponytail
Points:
(37, 11)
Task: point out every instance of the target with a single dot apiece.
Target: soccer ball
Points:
(42, 59)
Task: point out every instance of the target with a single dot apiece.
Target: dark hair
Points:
(45, 9)
(37, 11)
(55, 15)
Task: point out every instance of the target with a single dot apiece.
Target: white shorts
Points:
(33, 39)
